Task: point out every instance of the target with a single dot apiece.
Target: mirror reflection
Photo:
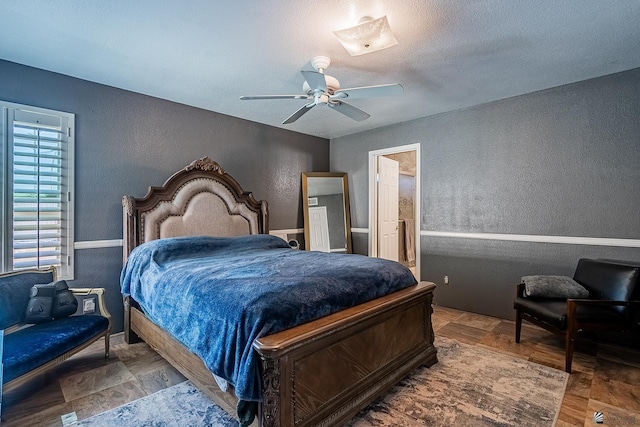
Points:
(327, 224)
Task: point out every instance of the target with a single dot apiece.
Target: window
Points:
(37, 189)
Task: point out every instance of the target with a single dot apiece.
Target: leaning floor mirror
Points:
(327, 223)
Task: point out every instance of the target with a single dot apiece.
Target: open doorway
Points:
(394, 205)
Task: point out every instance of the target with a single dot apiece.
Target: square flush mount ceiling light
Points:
(368, 36)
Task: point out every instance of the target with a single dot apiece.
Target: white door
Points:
(388, 207)
(319, 229)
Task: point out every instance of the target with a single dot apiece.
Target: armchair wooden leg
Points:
(572, 329)
(518, 325)
(570, 341)
(568, 348)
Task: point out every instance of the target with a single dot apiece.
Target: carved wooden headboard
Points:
(201, 199)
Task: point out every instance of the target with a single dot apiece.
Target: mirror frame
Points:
(305, 205)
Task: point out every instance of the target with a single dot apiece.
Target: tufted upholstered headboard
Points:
(201, 199)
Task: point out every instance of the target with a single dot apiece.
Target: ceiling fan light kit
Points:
(323, 90)
(370, 35)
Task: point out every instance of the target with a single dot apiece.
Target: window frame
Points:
(66, 269)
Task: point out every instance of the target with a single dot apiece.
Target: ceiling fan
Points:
(322, 89)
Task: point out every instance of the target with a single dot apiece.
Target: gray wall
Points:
(127, 141)
(561, 162)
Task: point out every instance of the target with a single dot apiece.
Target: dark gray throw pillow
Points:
(561, 287)
(50, 301)
(40, 303)
(64, 302)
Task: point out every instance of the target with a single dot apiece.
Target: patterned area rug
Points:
(178, 406)
(469, 386)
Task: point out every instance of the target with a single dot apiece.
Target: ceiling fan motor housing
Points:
(332, 85)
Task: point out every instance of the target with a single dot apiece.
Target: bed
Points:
(319, 373)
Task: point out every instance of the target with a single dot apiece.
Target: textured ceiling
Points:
(206, 53)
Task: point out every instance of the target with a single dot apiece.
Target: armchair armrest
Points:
(573, 303)
(602, 302)
(102, 306)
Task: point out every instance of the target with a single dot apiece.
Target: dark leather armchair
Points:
(613, 303)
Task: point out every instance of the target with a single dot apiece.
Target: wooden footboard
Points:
(323, 372)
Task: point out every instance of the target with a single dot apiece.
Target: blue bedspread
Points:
(216, 294)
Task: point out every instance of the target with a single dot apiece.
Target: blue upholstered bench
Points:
(27, 351)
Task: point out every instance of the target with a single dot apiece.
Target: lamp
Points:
(368, 36)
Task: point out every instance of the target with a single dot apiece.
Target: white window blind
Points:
(38, 202)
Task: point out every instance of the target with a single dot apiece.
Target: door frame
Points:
(373, 198)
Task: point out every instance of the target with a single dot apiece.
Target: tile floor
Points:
(605, 377)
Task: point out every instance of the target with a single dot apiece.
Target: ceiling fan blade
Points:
(349, 111)
(369, 91)
(315, 80)
(299, 113)
(246, 98)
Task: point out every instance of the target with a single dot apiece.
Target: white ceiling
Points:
(206, 53)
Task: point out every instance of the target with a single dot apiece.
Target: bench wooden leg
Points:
(106, 345)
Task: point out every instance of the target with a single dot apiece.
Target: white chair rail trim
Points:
(97, 244)
(533, 238)
(567, 240)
